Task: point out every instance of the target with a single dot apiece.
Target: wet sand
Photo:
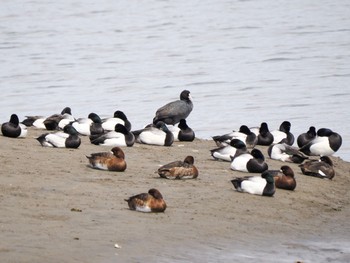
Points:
(54, 208)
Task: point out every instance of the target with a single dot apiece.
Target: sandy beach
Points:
(54, 208)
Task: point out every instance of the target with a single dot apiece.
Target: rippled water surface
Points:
(244, 62)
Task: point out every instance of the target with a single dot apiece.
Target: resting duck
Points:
(306, 137)
(264, 135)
(90, 126)
(66, 120)
(283, 133)
(69, 138)
(110, 161)
(52, 123)
(284, 178)
(244, 134)
(286, 153)
(119, 137)
(179, 169)
(158, 134)
(322, 168)
(257, 185)
(34, 121)
(147, 202)
(13, 128)
(108, 124)
(173, 112)
(182, 132)
(326, 143)
(253, 162)
(224, 153)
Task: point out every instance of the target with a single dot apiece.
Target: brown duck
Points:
(110, 161)
(147, 202)
(179, 169)
(284, 178)
(322, 168)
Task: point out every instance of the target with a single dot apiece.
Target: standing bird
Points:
(110, 161)
(257, 185)
(69, 138)
(173, 112)
(284, 178)
(13, 128)
(283, 133)
(179, 169)
(147, 202)
(322, 168)
(306, 137)
(326, 143)
(182, 132)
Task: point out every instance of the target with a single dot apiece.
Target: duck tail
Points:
(237, 183)
(41, 138)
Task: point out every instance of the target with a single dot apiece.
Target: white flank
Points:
(239, 135)
(109, 124)
(225, 153)
(114, 134)
(114, 142)
(67, 118)
(321, 173)
(47, 144)
(39, 123)
(63, 123)
(255, 185)
(113, 138)
(175, 131)
(82, 128)
(278, 136)
(24, 130)
(154, 136)
(145, 209)
(240, 162)
(84, 120)
(57, 139)
(100, 166)
(320, 146)
(278, 154)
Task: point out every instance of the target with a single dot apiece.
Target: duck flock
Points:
(238, 148)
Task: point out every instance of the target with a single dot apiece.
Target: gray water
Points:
(244, 62)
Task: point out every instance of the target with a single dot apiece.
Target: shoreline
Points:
(57, 209)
